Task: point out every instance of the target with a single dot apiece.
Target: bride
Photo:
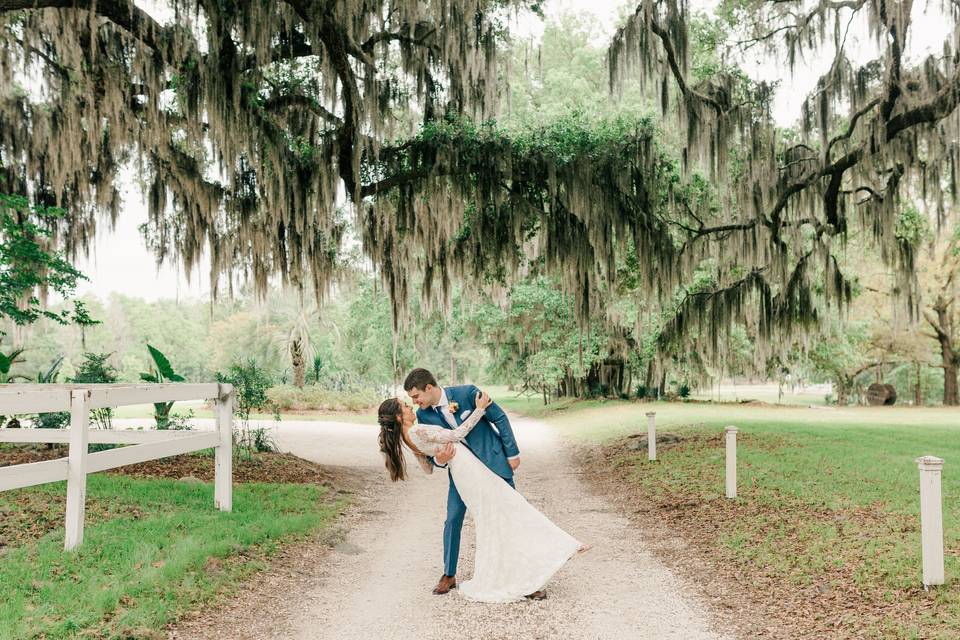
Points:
(518, 549)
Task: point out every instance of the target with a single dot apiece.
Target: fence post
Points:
(731, 438)
(223, 481)
(931, 520)
(77, 467)
(651, 435)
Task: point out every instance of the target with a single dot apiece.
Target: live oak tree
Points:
(244, 119)
(789, 198)
(247, 119)
(940, 313)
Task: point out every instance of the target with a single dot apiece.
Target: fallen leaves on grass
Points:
(780, 568)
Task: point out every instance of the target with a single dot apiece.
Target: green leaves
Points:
(164, 367)
(912, 227)
(29, 265)
(50, 375)
(6, 362)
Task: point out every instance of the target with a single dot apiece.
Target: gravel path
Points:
(375, 582)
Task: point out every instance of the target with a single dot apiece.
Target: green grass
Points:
(825, 495)
(164, 551)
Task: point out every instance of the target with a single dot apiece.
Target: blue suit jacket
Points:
(491, 440)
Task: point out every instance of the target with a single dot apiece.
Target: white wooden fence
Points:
(79, 400)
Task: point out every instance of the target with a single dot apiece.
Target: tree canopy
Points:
(243, 118)
(248, 118)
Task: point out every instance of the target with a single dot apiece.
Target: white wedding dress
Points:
(518, 548)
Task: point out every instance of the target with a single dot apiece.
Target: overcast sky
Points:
(121, 263)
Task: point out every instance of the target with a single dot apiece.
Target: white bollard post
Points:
(652, 436)
(223, 478)
(731, 462)
(931, 520)
(77, 467)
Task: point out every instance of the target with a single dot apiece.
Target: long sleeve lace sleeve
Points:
(443, 436)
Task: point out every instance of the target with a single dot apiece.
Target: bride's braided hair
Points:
(391, 438)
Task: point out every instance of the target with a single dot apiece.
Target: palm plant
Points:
(289, 327)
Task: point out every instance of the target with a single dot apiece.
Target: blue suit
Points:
(491, 446)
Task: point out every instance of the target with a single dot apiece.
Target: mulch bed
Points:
(684, 531)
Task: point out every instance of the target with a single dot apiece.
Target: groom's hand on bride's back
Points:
(445, 454)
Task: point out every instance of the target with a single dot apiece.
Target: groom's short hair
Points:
(419, 379)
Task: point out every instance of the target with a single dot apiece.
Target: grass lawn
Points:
(828, 498)
(153, 550)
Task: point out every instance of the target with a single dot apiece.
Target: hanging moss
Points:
(868, 133)
(243, 119)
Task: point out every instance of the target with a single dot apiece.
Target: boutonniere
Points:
(453, 407)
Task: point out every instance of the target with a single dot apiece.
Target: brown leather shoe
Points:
(446, 583)
(537, 595)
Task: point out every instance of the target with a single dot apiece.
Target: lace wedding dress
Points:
(518, 548)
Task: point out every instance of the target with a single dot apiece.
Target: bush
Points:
(642, 391)
(177, 422)
(96, 370)
(250, 384)
(684, 391)
(316, 398)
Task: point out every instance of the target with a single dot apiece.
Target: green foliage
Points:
(7, 360)
(161, 372)
(317, 398)
(96, 369)
(28, 266)
(840, 355)
(317, 368)
(912, 227)
(250, 384)
(58, 419)
(535, 340)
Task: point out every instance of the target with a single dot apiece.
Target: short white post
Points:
(651, 435)
(931, 520)
(77, 467)
(223, 479)
(731, 462)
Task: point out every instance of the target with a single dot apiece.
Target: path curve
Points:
(375, 583)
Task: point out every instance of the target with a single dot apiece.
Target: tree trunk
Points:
(299, 364)
(951, 398)
(918, 390)
(948, 353)
(453, 370)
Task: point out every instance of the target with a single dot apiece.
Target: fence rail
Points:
(79, 400)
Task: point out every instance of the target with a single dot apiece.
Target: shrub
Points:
(96, 370)
(250, 383)
(316, 398)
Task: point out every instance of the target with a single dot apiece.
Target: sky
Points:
(120, 262)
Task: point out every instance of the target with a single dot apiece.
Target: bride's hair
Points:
(391, 438)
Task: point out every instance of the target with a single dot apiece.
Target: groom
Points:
(491, 441)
